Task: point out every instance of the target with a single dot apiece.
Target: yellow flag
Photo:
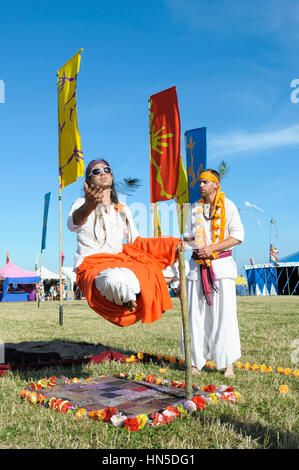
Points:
(71, 161)
(182, 197)
(157, 226)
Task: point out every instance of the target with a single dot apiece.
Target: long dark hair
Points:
(113, 192)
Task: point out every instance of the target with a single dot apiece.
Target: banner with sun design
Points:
(71, 162)
(165, 145)
(182, 198)
(196, 155)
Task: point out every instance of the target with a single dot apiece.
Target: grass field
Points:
(261, 419)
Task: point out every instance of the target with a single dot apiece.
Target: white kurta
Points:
(214, 328)
(119, 285)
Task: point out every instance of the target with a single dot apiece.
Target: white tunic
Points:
(119, 285)
(214, 328)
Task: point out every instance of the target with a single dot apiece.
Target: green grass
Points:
(262, 418)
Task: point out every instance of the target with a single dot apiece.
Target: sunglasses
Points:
(98, 171)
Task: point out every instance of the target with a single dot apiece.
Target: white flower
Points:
(117, 419)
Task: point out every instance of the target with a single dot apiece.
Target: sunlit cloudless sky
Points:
(234, 65)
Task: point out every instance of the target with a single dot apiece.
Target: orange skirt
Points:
(146, 258)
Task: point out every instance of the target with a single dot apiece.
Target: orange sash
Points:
(146, 257)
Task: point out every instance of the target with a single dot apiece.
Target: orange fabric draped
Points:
(146, 257)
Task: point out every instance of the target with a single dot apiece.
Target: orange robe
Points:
(146, 258)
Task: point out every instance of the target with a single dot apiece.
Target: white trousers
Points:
(213, 328)
(119, 285)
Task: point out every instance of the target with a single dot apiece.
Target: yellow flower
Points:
(162, 371)
(148, 352)
(213, 364)
(280, 369)
(296, 373)
(131, 359)
(238, 395)
(142, 418)
(75, 380)
(263, 368)
(269, 369)
(80, 413)
(247, 366)
(140, 355)
(214, 397)
(209, 364)
(255, 367)
(159, 380)
(283, 389)
(239, 365)
(288, 371)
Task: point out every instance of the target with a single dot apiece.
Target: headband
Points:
(206, 175)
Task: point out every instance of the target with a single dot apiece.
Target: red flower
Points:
(229, 389)
(107, 413)
(131, 424)
(173, 410)
(150, 379)
(210, 388)
(199, 402)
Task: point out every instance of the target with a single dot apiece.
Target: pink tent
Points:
(12, 274)
(11, 270)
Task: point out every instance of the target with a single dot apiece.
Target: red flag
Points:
(165, 145)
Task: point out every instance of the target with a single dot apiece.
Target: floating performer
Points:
(214, 223)
(123, 283)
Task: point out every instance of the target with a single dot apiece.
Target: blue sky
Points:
(233, 64)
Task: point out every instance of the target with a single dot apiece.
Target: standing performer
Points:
(122, 283)
(214, 223)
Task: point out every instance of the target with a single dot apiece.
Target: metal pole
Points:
(186, 329)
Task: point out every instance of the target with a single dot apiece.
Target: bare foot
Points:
(229, 372)
(195, 371)
(131, 305)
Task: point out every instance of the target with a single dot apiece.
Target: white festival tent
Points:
(47, 274)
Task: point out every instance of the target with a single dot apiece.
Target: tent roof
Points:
(269, 265)
(13, 271)
(47, 274)
(69, 273)
(290, 258)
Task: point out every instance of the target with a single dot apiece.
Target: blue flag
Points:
(45, 219)
(196, 155)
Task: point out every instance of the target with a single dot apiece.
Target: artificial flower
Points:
(255, 367)
(269, 369)
(159, 380)
(131, 424)
(238, 365)
(173, 360)
(142, 418)
(200, 402)
(108, 413)
(210, 388)
(280, 370)
(213, 398)
(140, 355)
(162, 371)
(93, 415)
(181, 362)
(263, 368)
(189, 405)
(80, 413)
(75, 380)
(118, 419)
(247, 366)
(296, 373)
(283, 389)
(288, 371)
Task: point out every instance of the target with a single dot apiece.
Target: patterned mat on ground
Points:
(133, 401)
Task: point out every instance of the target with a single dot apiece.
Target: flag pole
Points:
(60, 265)
(40, 273)
(186, 329)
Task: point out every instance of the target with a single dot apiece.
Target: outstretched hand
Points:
(93, 195)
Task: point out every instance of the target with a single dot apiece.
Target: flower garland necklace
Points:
(218, 219)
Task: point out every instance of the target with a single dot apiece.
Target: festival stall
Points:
(17, 283)
(267, 279)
